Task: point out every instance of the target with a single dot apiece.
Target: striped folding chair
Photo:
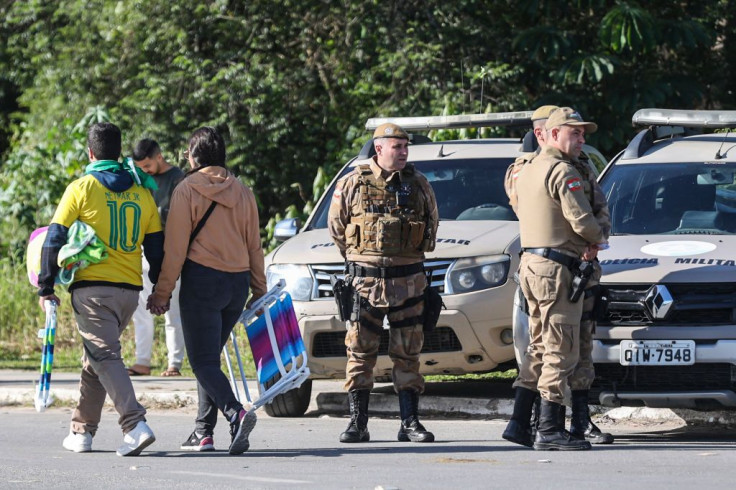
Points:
(276, 342)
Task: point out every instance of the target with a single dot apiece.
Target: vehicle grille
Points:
(332, 344)
(323, 272)
(663, 378)
(694, 304)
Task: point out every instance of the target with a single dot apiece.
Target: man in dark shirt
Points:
(148, 156)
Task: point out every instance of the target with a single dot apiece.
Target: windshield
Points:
(464, 189)
(682, 198)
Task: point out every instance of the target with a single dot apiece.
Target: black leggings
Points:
(211, 302)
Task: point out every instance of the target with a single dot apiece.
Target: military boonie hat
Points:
(543, 112)
(390, 130)
(567, 116)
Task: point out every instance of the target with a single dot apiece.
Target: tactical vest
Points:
(388, 219)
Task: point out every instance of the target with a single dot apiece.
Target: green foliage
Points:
(34, 177)
(291, 91)
(21, 318)
(628, 27)
(319, 185)
(290, 84)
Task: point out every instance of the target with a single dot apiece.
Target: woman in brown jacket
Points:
(218, 267)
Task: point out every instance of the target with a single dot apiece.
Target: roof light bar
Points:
(427, 123)
(686, 119)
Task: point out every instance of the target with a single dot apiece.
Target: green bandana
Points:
(139, 176)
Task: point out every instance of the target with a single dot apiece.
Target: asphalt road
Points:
(304, 453)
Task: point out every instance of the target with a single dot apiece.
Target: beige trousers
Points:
(102, 313)
(554, 328)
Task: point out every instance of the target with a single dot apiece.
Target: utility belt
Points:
(356, 270)
(350, 303)
(581, 270)
(568, 261)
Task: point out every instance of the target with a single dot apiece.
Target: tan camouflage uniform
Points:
(383, 295)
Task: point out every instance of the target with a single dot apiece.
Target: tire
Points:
(293, 403)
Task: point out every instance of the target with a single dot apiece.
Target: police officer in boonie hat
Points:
(390, 130)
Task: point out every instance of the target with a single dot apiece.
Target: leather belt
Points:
(548, 253)
(356, 270)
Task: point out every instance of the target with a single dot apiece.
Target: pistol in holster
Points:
(433, 305)
(580, 279)
(344, 297)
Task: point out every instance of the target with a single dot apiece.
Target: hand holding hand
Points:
(157, 306)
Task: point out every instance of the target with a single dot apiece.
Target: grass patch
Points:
(494, 376)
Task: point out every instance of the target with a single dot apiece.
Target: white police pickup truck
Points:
(668, 334)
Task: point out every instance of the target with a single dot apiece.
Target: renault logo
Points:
(659, 301)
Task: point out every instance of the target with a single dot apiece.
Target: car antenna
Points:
(718, 152)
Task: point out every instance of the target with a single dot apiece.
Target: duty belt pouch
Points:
(432, 307)
(388, 235)
(352, 235)
(355, 305)
(523, 302)
(415, 232)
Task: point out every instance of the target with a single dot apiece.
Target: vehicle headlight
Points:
(299, 282)
(477, 273)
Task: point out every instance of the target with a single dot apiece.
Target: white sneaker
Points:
(136, 440)
(79, 443)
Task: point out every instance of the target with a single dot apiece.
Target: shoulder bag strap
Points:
(202, 222)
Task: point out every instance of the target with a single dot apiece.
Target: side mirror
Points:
(286, 228)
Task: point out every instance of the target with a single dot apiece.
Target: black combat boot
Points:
(562, 416)
(551, 435)
(535, 416)
(519, 429)
(357, 430)
(581, 427)
(411, 429)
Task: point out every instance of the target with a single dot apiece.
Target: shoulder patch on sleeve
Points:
(574, 184)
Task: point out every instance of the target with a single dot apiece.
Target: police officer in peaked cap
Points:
(520, 428)
(557, 227)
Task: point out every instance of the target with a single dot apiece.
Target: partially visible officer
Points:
(557, 226)
(539, 119)
(383, 217)
(521, 426)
